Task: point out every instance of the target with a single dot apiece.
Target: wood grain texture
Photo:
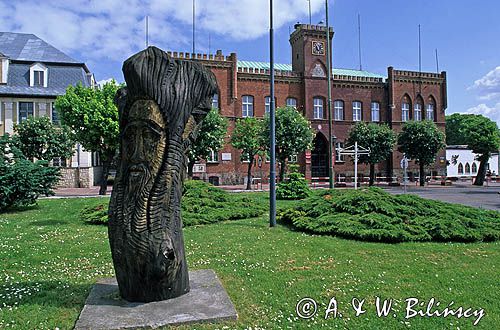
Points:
(160, 109)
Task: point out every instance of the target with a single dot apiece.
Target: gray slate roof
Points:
(28, 47)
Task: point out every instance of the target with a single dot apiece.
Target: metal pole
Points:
(147, 31)
(359, 42)
(272, 174)
(310, 19)
(329, 74)
(355, 165)
(405, 169)
(419, 51)
(437, 61)
(194, 22)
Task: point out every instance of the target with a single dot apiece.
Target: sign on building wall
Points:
(226, 156)
(199, 168)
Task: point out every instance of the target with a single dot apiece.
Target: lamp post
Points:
(272, 174)
(329, 74)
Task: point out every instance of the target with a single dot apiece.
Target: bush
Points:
(21, 181)
(295, 187)
(374, 215)
(201, 203)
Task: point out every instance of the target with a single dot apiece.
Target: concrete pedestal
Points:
(206, 302)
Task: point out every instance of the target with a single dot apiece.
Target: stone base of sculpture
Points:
(206, 302)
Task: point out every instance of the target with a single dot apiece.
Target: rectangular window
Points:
(338, 157)
(338, 107)
(215, 101)
(291, 102)
(430, 112)
(55, 115)
(38, 78)
(247, 106)
(405, 112)
(318, 108)
(213, 157)
(267, 101)
(356, 111)
(25, 111)
(417, 115)
(375, 111)
(59, 162)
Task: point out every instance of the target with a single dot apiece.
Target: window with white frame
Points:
(338, 110)
(318, 108)
(213, 157)
(375, 111)
(247, 106)
(25, 111)
(405, 111)
(460, 169)
(356, 111)
(267, 102)
(338, 157)
(38, 78)
(467, 168)
(38, 75)
(215, 101)
(291, 102)
(430, 112)
(417, 112)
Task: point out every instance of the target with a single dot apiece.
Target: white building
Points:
(462, 162)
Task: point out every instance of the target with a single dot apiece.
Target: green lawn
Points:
(49, 260)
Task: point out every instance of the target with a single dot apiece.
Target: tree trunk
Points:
(372, 174)
(282, 170)
(422, 174)
(190, 167)
(103, 187)
(249, 174)
(167, 100)
(481, 173)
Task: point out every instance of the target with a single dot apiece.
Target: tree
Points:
(455, 134)
(39, 138)
(421, 140)
(293, 135)
(93, 117)
(247, 136)
(210, 136)
(380, 139)
(22, 181)
(483, 138)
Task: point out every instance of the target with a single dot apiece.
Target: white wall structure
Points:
(463, 163)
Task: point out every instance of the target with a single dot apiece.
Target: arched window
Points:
(460, 168)
(291, 102)
(318, 108)
(405, 108)
(375, 111)
(357, 112)
(430, 110)
(338, 107)
(417, 110)
(247, 106)
(474, 168)
(467, 168)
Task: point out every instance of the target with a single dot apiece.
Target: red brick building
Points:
(356, 96)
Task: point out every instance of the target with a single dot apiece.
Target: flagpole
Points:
(329, 75)
(272, 174)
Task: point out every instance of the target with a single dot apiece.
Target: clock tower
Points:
(309, 49)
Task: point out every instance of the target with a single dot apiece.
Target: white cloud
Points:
(115, 29)
(488, 86)
(103, 82)
(491, 112)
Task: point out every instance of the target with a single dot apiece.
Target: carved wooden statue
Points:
(160, 109)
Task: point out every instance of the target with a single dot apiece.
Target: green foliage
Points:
(421, 140)
(211, 134)
(294, 187)
(455, 134)
(374, 215)
(92, 116)
(22, 181)
(380, 139)
(482, 134)
(39, 138)
(247, 137)
(202, 203)
(293, 134)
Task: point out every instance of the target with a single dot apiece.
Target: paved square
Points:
(206, 302)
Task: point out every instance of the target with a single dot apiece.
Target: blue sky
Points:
(103, 33)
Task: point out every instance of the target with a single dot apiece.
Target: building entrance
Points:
(319, 157)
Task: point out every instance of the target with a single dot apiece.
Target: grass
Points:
(50, 259)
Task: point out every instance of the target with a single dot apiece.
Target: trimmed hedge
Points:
(202, 203)
(374, 215)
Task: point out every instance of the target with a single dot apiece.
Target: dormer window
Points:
(38, 75)
(4, 68)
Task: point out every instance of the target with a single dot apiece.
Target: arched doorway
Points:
(319, 157)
